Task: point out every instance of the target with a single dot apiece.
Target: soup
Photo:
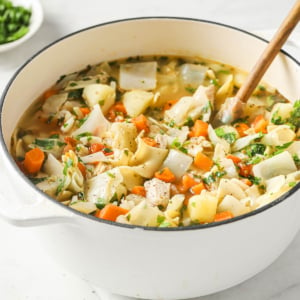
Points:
(133, 141)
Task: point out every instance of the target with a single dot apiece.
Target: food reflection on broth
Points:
(131, 141)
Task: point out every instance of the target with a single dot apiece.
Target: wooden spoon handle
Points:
(269, 53)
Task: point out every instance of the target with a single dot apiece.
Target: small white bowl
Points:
(35, 22)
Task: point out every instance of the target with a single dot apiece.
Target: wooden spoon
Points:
(233, 107)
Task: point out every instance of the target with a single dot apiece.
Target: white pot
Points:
(163, 263)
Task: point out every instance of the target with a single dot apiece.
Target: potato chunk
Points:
(101, 94)
(202, 208)
(137, 101)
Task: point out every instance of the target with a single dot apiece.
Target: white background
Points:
(26, 272)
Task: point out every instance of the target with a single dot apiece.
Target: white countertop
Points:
(26, 271)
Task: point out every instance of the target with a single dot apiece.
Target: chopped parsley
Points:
(179, 146)
(171, 123)
(114, 198)
(190, 89)
(220, 174)
(254, 180)
(165, 224)
(209, 179)
(75, 94)
(69, 163)
(54, 136)
(100, 203)
(241, 120)
(107, 151)
(223, 72)
(214, 82)
(296, 159)
(84, 134)
(81, 121)
(277, 119)
(254, 149)
(189, 122)
(36, 180)
(281, 148)
(255, 160)
(229, 137)
(160, 219)
(295, 115)
(48, 144)
(61, 184)
(293, 120)
(111, 174)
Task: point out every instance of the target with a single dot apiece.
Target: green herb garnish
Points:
(281, 148)
(296, 160)
(75, 94)
(36, 180)
(189, 122)
(14, 21)
(229, 137)
(254, 149)
(111, 174)
(84, 134)
(277, 119)
(179, 146)
(100, 203)
(190, 89)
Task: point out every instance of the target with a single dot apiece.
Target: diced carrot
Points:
(33, 161)
(199, 129)
(169, 104)
(235, 159)
(97, 213)
(96, 147)
(198, 188)
(245, 170)
(85, 110)
(115, 110)
(70, 140)
(260, 124)
(246, 181)
(186, 183)
(139, 190)
(67, 148)
(141, 123)
(111, 212)
(71, 143)
(82, 169)
(224, 215)
(203, 162)
(49, 93)
(149, 141)
(241, 128)
(165, 175)
(119, 107)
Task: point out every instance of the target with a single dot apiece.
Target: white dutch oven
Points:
(163, 263)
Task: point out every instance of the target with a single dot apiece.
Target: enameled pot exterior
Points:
(139, 262)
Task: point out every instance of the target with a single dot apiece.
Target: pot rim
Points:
(90, 217)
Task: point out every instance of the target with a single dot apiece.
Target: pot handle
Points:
(28, 210)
